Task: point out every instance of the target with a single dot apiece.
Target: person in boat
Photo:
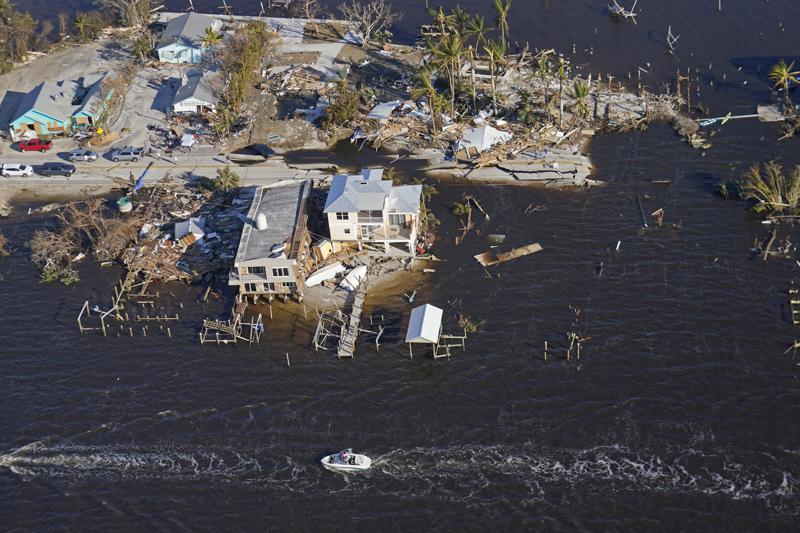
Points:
(343, 456)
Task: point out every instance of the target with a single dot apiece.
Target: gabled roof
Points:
(425, 324)
(51, 99)
(93, 101)
(361, 192)
(197, 86)
(187, 29)
(405, 199)
(55, 99)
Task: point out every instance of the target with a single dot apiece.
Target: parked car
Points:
(34, 145)
(56, 169)
(16, 170)
(80, 154)
(128, 153)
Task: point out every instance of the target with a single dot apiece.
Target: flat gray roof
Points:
(281, 206)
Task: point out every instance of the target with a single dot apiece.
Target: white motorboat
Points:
(354, 278)
(324, 273)
(347, 461)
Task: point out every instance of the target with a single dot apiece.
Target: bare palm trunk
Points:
(494, 88)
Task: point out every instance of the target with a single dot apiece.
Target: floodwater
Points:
(681, 413)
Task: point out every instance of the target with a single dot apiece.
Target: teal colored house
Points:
(182, 39)
(58, 108)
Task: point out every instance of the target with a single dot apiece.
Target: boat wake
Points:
(528, 473)
(469, 474)
(68, 461)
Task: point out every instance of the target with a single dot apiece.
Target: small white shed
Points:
(195, 225)
(425, 326)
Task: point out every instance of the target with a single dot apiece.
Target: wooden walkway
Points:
(349, 335)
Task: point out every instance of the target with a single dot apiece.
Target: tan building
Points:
(369, 212)
(273, 255)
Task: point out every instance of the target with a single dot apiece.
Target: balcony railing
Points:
(391, 233)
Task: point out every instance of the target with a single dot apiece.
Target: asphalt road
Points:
(202, 162)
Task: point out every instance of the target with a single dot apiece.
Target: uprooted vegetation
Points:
(145, 241)
(772, 190)
(80, 227)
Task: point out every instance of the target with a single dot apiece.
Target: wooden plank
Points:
(492, 258)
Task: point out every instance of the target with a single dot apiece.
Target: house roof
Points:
(93, 101)
(55, 99)
(187, 29)
(405, 199)
(282, 206)
(483, 138)
(50, 98)
(425, 324)
(197, 86)
(360, 192)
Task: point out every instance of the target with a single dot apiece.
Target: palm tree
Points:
(543, 70)
(439, 16)
(475, 28)
(580, 92)
(496, 51)
(447, 56)
(782, 75)
(81, 25)
(502, 8)
(562, 75)
(211, 39)
(459, 20)
(423, 86)
(525, 113)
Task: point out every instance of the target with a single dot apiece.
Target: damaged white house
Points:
(273, 255)
(196, 94)
(366, 211)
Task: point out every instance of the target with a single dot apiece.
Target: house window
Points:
(280, 272)
(347, 231)
(366, 232)
(290, 285)
(270, 287)
(250, 287)
(260, 271)
(397, 220)
(342, 216)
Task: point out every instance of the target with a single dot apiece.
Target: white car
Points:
(16, 170)
(80, 154)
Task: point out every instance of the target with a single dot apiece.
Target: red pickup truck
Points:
(35, 145)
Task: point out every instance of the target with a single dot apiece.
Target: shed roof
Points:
(360, 192)
(187, 29)
(197, 86)
(425, 324)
